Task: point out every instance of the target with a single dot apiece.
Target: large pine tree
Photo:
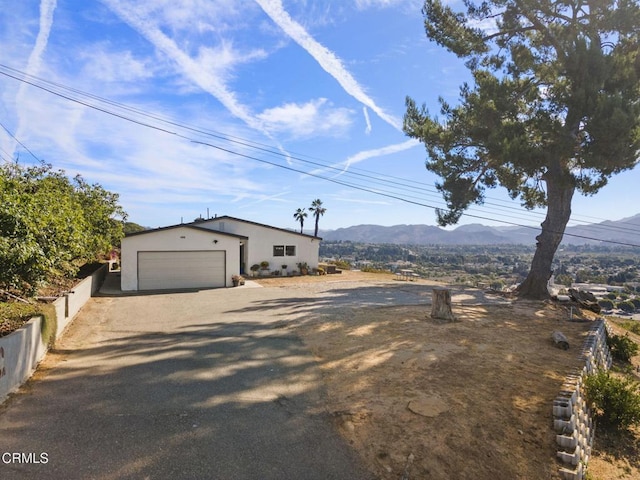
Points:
(554, 108)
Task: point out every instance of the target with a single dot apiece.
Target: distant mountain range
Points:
(626, 230)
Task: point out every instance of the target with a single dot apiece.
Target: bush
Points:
(616, 400)
(622, 347)
(605, 304)
(627, 306)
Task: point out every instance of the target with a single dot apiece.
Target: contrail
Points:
(367, 120)
(47, 7)
(326, 58)
(193, 69)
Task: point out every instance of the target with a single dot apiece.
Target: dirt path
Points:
(420, 399)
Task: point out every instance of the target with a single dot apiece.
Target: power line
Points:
(420, 187)
(371, 176)
(21, 144)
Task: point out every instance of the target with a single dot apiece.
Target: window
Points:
(278, 251)
(291, 250)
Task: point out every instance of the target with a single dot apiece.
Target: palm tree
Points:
(300, 215)
(318, 210)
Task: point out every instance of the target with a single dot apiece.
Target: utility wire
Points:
(21, 144)
(269, 150)
(419, 186)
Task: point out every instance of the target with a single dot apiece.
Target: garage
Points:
(163, 270)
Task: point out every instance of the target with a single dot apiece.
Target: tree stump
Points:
(441, 305)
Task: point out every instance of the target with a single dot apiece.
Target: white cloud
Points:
(47, 8)
(325, 58)
(115, 66)
(316, 117)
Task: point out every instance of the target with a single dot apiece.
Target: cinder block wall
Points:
(572, 419)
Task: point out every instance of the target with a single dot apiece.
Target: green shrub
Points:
(605, 304)
(616, 400)
(627, 306)
(622, 347)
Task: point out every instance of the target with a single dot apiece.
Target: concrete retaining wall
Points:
(572, 420)
(70, 304)
(22, 350)
(20, 353)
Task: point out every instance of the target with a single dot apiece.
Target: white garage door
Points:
(173, 270)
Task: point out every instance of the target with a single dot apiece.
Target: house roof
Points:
(186, 225)
(227, 217)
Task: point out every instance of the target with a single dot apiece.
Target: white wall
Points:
(20, 353)
(259, 247)
(175, 239)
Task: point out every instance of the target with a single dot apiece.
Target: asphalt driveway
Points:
(192, 385)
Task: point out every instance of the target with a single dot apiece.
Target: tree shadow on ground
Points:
(206, 401)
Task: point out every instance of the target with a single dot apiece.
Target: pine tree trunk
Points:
(560, 189)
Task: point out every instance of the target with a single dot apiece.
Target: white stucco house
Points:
(208, 253)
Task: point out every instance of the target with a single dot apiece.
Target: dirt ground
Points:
(472, 399)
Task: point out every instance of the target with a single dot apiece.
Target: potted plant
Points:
(284, 270)
(237, 280)
(304, 268)
(264, 267)
(254, 269)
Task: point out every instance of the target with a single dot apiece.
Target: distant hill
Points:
(626, 230)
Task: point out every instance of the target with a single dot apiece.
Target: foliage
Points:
(605, 304)
(341, 264)
(49, 224)
(255, 267)
(318, 210)
(14, 315)
(626, 306)
(622, 347)
(374, 270)
(564, 279)
(552, 109)
(300, 215)
(616, 400)
(633, 326)
(130, 227)
(264, 265)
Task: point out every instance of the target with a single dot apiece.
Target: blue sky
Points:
(216, 89)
